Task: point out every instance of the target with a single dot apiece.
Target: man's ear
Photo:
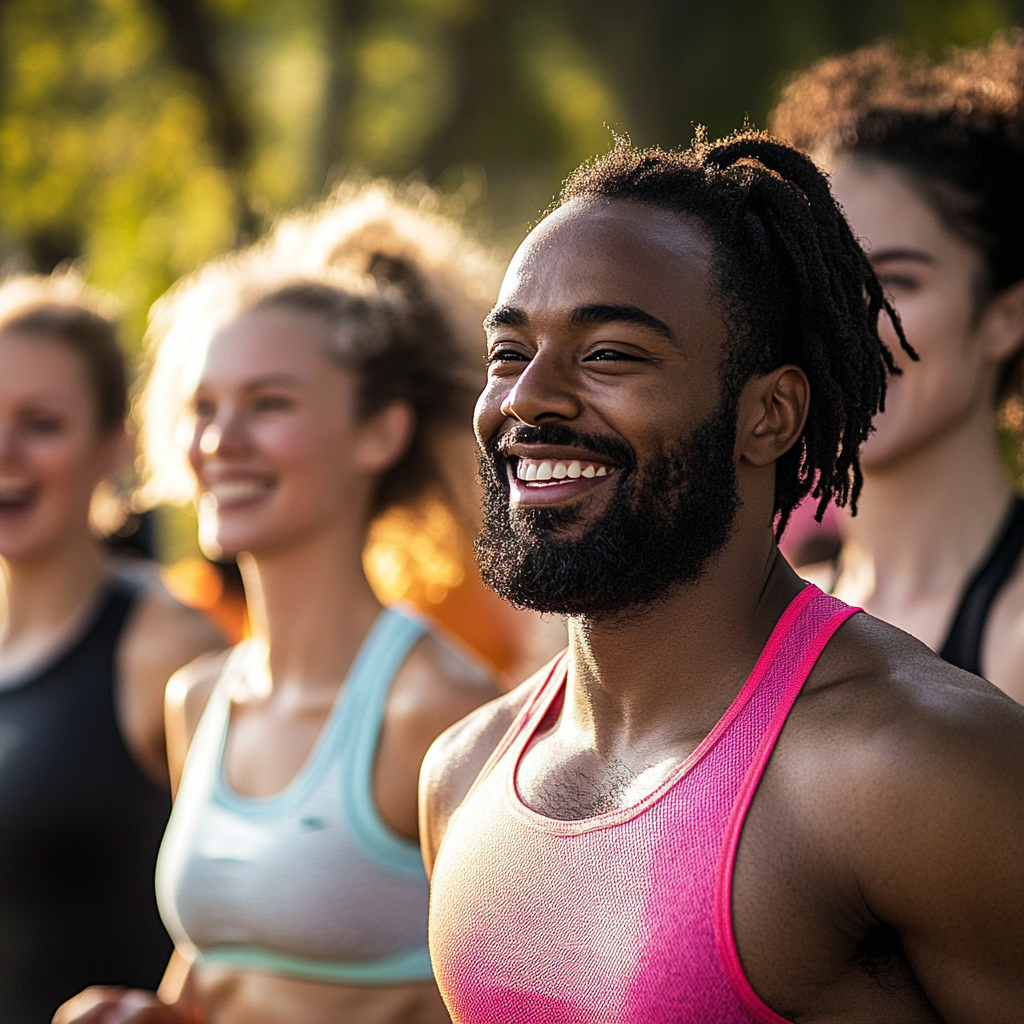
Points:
(1002, 326)
(772, 413)
(385, 437)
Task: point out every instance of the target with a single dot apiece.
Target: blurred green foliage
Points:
(144, 136)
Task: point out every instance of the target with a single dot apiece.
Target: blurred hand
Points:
(99, 1005)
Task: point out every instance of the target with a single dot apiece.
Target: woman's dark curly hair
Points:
(796, 287)
(955, 126)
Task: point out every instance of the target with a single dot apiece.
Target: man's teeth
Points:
(539, 470)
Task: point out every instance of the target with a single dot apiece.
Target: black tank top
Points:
(80, 826)
(963, 644)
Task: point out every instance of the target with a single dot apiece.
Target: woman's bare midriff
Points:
(231, 996)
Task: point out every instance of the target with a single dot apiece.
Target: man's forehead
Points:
(608, 252)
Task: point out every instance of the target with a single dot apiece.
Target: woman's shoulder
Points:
(187, 694)
(440, 681)
(161, 636)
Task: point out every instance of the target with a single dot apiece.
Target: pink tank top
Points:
(623, 918)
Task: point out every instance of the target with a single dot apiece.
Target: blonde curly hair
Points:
(406, 282)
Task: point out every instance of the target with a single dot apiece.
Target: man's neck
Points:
(925, 523)
(665, 674)
(45, 599)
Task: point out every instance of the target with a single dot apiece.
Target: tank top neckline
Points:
(359, 678)
(110, 587)
(535, 711)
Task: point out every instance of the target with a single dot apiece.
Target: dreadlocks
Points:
(795, 285)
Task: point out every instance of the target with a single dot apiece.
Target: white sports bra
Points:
(310, 882)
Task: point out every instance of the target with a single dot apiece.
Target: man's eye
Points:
(506, 355)
(603, 355)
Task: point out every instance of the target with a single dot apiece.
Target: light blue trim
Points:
(386, 648)
(407, 966)
(350, 735)
(369, 678)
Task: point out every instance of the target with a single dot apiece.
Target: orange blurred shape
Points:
(199, 584)
(422, 555)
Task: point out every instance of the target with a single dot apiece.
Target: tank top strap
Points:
(797, 642)
(962, 646)
(529, 715)
(114, 608)
(387, 645)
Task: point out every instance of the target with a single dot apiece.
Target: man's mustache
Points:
(556, 434)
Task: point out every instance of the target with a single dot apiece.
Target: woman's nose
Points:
(209, 440)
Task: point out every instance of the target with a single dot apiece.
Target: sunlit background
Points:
(141, 137)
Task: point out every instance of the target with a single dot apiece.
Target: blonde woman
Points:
(85, 652)
(319, 381)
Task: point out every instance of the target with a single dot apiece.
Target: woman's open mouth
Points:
(16, 495)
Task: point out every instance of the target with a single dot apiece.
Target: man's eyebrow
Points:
(505, 316)
(917, 255)
(598, 314)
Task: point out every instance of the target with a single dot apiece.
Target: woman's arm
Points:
(175, 1002)
(162, 635)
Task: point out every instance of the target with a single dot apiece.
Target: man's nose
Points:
(546, 390)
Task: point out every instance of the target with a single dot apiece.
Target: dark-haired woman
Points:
(927, 161)
(291, 876)
(85, 654)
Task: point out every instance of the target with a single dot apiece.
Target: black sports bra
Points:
(963, 644)
(80, 825)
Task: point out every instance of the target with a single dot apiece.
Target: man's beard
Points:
(663, 524)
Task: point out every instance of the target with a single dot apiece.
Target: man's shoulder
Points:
(892, 732)
(874, 668)
(459, 754)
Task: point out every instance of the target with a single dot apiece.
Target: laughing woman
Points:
(290, 876)
(85, 653)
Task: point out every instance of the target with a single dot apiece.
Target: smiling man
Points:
(733, 799)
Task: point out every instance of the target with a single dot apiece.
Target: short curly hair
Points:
(957, 127)
(796, 288)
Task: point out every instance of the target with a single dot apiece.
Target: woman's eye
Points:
(44, 425)
(898, 283)
(272, 403)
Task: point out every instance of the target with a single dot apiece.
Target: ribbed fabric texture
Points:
(621, 918)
